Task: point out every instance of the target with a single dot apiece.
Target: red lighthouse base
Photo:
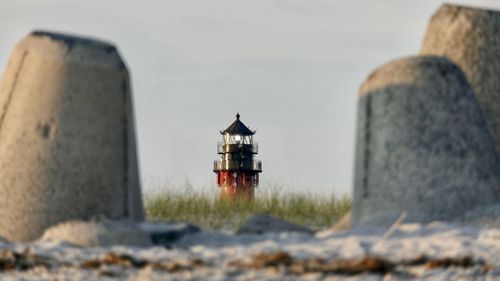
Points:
(235, 193)
(236, 184)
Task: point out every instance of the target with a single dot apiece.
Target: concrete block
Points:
(423, 146)
(263, 223)
(471, 38)
(98, 234)
(67, 140)
(166, 233)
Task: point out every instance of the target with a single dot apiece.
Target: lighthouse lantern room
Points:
(237, 171)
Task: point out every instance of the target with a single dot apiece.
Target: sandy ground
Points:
(435, 251)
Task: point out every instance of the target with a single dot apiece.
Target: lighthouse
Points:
(237, 171)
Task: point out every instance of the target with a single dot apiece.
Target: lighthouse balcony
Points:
(223, 147)
(225, 165)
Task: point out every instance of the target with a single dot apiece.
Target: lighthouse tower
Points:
(237, 171)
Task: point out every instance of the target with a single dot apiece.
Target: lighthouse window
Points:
(236, 139)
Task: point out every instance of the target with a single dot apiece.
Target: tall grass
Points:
(209, 211)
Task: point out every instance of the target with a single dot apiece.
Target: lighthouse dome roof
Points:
(238, 128)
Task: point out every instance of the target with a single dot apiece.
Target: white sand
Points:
(435, 241)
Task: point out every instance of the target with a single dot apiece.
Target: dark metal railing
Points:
(229, 147)
(253, 165)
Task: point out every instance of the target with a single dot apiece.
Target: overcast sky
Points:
(291, 68)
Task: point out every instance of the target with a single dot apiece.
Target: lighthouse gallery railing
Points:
(254, 165)
(230, 147)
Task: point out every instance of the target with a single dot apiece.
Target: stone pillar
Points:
(423, 146)
(471, 38)
(67, 140)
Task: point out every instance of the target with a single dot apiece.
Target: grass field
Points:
(208, 211)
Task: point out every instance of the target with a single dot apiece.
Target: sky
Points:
(291, 68)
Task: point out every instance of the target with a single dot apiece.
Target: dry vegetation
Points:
(209, 211)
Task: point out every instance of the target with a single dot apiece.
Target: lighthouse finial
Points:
(237, 115)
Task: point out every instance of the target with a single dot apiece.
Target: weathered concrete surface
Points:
(67, 144)
(262, 223)
(471, 38)
(166, 233)
(105, 233)
(423, 146)
(488, 216)
(98, 234)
